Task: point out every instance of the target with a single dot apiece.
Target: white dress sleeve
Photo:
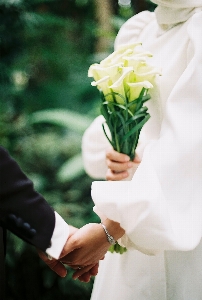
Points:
(161, 208)
(94, 145)
(131, 29)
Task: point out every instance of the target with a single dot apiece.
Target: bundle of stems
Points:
(125, 121)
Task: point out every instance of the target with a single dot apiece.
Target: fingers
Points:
(80, 257)
(119, 164)
(110, 175)
(94, 270)
(113, 155)
(58, 268)
(55, 265)
(85, 273)
(85, 277)
(137, 159)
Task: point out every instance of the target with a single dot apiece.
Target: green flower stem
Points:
(125, 126)
(117, 142)
(117, 248)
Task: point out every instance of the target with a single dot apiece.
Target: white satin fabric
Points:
(172, 12)
(161, 207)
(178, 3)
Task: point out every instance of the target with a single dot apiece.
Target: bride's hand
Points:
(89, 244)
(118, 165)
(86, 247)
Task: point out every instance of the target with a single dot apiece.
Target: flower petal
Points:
(135, 89)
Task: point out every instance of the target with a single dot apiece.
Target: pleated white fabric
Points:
(161, 207)
(178, 3)
(172, 12)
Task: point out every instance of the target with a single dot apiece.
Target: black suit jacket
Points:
(23, 211)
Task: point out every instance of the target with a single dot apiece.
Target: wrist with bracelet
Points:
(114, 246)
(110, 238)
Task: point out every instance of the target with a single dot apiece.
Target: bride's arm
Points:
(161, 208)
(94, 146)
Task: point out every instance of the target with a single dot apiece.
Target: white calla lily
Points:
(114, 58)
(135, 62)
(149, 76)
(119, 86)
(98, 72)
(135, 89)
(103, 86)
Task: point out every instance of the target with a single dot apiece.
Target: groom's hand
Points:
(83, 274)
(54, 264)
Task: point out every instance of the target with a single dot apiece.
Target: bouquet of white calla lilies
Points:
(124, 79)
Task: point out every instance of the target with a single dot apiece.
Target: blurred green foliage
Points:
(46, 103)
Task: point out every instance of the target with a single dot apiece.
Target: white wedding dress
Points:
(161, 207)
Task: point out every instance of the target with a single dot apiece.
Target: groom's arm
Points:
(26, 213)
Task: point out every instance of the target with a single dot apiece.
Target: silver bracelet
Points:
(110, 238)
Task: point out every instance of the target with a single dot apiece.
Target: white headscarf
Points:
(172, 12)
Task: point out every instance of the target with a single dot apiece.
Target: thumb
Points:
(69, 246)
(55, 265)
(136, 159)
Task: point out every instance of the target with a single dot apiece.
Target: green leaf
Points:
(104, 111)
(121, 96)
(117, 248)
(72, 169)
(136, 128)
(143, 109)
(143, 97)
(107, 135)
(146, 98)
(135, 118)
(60, 117)
(115, 104)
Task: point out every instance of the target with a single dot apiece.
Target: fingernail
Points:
(130, 164)
(63, 275)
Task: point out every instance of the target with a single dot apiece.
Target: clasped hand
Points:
(87, 245)
(82, 252)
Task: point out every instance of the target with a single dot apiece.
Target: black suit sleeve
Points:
(23, 211)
